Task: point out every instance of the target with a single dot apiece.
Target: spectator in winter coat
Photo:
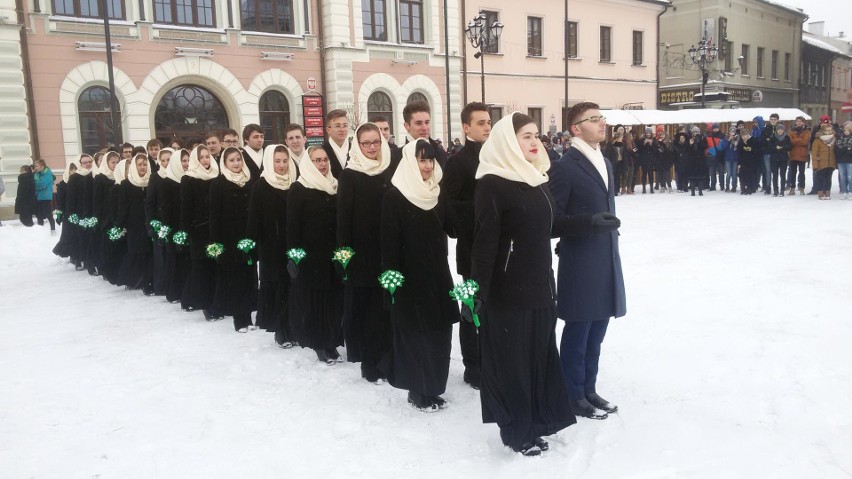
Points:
(766, 167)
(647, 158)
(750, 152)
(715, 157)
(843, 153)
(615, 151)
(730, 146)
(800, 138)
(25, 200)
(665, 161)
(697, 162)
(44, 193)
(681, 161)
(823, 159)
(779, 147)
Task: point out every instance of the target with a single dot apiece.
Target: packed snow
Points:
(733, 361)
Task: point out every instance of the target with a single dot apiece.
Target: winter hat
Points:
(649, 130)
(660, 128)
(780, 126)
(732, 130)
(715, 126)
(825, 119)
(847, 127)
(740, 123)
(695, 131)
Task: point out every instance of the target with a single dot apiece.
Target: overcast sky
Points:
(837, 14)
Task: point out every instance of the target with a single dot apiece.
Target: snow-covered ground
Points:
(734, 361)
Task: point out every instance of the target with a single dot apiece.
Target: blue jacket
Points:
(590, 283)
(44, 185)
(730, 149)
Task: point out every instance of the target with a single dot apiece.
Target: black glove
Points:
(340, 270)
(604, 222)
(292, 269)
(467, 314)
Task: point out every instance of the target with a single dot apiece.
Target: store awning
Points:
(698, 115)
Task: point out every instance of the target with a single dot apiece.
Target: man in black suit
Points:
(590, 282)
(417, 120)
(337, 144)
(253, 150)
(458, 186)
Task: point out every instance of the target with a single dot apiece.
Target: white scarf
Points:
(828, 139)
(257, 156)
(360, 163)
(133, 175)
(118, 173)
(281, 182)
(240, 179)
(104, 167)
(340, 151)
(175, 170)
(407, 179)
(299, 158)
(66, 175)
(501, 156)
(594, 155)
(197, 171)
(312, 178)
(164, 172)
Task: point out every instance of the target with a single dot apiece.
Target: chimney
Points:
(841, 35)
(817, 28)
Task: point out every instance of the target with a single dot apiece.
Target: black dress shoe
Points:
(323, 357)
(601, 403)
(421, 402)
(529, 449)
(438, 401)
(473, 378)
(542, 444)
(583, 408)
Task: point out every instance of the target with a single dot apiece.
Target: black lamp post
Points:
(478, 32)
(702, 55)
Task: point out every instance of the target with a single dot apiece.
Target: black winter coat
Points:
(25, 201)
(168, 204)
(359, 211)
(131, 216)
(101, 187)
(152, 199)
(79, 196)
(229, 204)
(697, 159)
(665, 156)
(195, 214)
(779, 150)
(267, 225)
(459, 186)
(647, 154)
(591, 283)
(751, 152)
(414, 242)
(311, 220)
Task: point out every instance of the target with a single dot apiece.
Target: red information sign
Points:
(313, 111)
(313, 122)
(314, 132)
(312, 101)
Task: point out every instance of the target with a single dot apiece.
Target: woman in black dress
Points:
(79, 202)
(267, 225)
(135, 271)
(101, 186)
(66, 237)
(195, 222)
(363, 183)
(152, 213)
(316, 293)
(523, 389)
(414, 242)
(25, 200)
(168, 211)
(236, 280)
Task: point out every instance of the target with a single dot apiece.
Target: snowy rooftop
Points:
(785, 6)
(813, 41)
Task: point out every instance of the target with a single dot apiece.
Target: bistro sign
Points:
(742, 95)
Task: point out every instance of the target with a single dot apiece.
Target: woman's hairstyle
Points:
(312, 149)
(227, 152)
(519, 120)
(281, 149)
(41, 162)
(26, 169)
(425, 150)
(367, 127)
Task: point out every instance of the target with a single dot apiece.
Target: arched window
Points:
(96, 127)
(417, 96)
(186, 112)
(274, 116)
(379, 104)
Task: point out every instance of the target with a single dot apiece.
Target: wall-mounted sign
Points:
(757, 96)
(739, 94)
(314, 116)
(677, 96)
(312, 84)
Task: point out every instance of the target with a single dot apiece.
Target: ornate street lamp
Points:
(702, 55)
(479, 33)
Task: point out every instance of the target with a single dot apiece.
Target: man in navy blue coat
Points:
(590, 285)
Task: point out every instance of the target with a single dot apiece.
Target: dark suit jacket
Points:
(334, 160)
(590, 285)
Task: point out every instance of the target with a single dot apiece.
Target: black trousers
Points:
(793, 178)
(779, 174)
(44, 211)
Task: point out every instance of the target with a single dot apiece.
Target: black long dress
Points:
(267, 225)
(101, 187)
(25, 201)
(316, 295)
(366, 325)
(116, 250)
(135, 271)
(523, 389)
(177, 263)
(414, 243)
(195, 221)
(158, 248)
(236, 282)
(66, 236)
(78, 202)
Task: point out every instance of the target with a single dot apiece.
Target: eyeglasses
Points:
(231, 142)
(320, 161)
(593, 119)
(374, 144)
(340, 125)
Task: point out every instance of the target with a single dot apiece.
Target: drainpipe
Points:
(28, 83)
(447, 69)
(321, 37)
(463, 16)
(657, 99)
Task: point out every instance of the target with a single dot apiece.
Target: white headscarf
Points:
(312, 178)
(104, 167)
(83, 171)
(175, 170)
(240, 179)
(66, 175)
(360, 163)
(408, 180)
(96, 166)
(163, 172)
(197, 171)
(502, 156)
(281, 182)
(133, 175)
(118, 173)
